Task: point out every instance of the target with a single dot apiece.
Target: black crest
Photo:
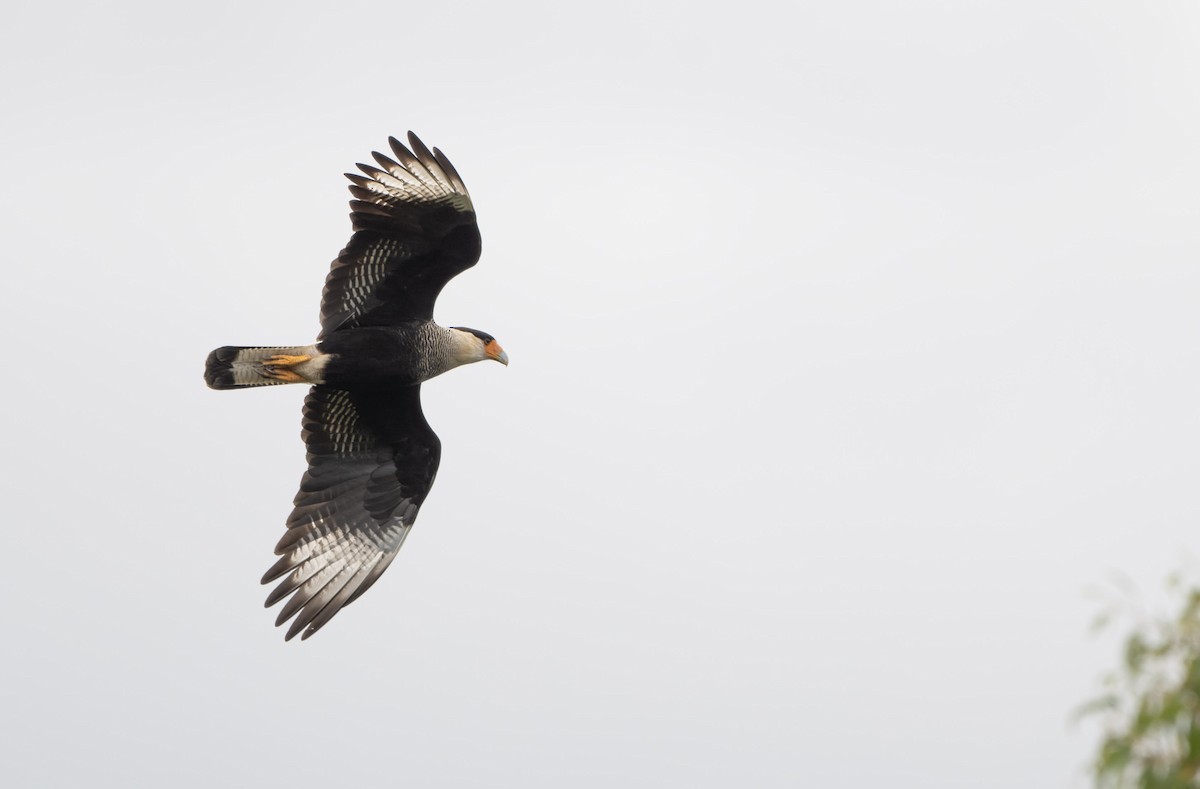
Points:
(480, 334)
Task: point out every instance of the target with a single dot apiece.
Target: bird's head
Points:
(472, 345)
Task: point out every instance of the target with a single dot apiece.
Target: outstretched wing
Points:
(372, 458)
(414, 230)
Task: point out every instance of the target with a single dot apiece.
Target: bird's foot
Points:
(280, 368)
(284, 360)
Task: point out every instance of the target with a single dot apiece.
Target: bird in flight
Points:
(372, 457)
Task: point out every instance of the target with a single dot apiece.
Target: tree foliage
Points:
(1150, 707)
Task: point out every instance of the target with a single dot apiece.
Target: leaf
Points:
(1101, 621)
(1135, 650)
(1106, 703)
(1114, 756)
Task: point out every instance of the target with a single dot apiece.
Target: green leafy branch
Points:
(1150, 706)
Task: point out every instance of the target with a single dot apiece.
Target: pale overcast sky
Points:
(851, 343)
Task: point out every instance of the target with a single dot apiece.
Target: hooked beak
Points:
(494, 351)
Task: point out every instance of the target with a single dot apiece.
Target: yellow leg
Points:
(283, 374)
(279, 368)
(285, 361)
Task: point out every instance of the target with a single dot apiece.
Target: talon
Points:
(282, 374)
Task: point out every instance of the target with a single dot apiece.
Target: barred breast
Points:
(407, 354)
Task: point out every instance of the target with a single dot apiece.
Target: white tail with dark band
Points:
(238, 367)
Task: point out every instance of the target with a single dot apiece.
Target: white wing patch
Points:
(426, 177)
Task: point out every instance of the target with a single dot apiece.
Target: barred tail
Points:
(238, 367)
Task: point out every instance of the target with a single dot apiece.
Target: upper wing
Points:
(414, 230)
(372, 458)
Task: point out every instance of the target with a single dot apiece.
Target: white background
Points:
(851, 343)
